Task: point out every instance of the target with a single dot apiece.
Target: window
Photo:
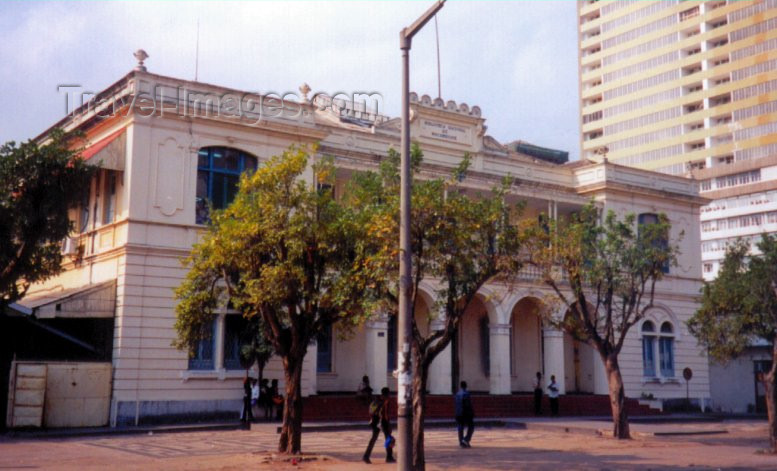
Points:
(109, 202)
(218, 173)
(666, 350)
(707, 268)
(485, 350)
(648, 351)
(235, 326)
(324, 344)
(324, 188)
(663, 243)
(83, 219)
(202, 356)
(391, 339)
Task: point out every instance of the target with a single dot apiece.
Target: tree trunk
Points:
(620, 417)
(419, 412)
(770, 387)
(291, 430)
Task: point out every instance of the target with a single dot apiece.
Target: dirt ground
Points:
(492, 449)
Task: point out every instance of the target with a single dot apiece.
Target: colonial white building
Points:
(167, 145)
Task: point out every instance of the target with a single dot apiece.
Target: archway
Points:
(526, 343)
(421, 314)
(579, 360)
(473, 349)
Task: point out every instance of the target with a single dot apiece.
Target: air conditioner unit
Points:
(70, 246)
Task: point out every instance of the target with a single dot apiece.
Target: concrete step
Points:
(349, 407)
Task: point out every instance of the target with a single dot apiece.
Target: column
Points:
(376, 332)
(310, 371)
(499, 349)
(441, 369)
(553, 348)
(218, 345)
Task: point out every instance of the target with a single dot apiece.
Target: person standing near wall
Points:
(364, 391)
(553, 395)
(247, 416)
(538, 394)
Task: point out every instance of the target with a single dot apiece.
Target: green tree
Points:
(255, 347)
(284, 251)
(38, 185)
(462, 241)
(740, 306)
(604, 272)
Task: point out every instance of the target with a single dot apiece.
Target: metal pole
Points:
(404, 325)
(404, 322)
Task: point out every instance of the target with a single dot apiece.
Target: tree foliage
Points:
(38, 185)
(255, 347)
(738, 308)
(604, 272)
(284, 251)
(459, 242)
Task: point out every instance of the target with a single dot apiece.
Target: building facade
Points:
(168, 145)
(688, 88)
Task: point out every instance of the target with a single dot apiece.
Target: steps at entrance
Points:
(348, 407)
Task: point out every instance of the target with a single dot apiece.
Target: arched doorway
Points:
(526, 344)
(579, 360)
(473, 349)
(421, 315)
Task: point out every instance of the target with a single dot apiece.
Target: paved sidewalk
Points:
(659, 426)
(493, 448)
(640, 426)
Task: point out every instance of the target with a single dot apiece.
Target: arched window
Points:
(324, 342)
(201, 358)
(666, 350)
(218, 173)
(648, 350)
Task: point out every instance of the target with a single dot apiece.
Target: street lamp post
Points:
(404, 324)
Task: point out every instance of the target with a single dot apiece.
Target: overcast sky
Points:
(517, 60)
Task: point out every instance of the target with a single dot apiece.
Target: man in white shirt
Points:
(553, 395)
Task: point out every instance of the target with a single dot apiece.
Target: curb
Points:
(678, 434)
(91, 432)
(550, 427)
(360, 426)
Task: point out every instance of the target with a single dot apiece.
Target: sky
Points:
(517, 60)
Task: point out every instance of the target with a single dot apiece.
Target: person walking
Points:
(553, 395)
(538, 394)
(379, 419)
(465, 415)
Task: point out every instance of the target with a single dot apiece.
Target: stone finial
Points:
(305, 89)
(141, 56)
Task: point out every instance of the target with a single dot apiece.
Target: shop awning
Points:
(92, 301)
(108, 152)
